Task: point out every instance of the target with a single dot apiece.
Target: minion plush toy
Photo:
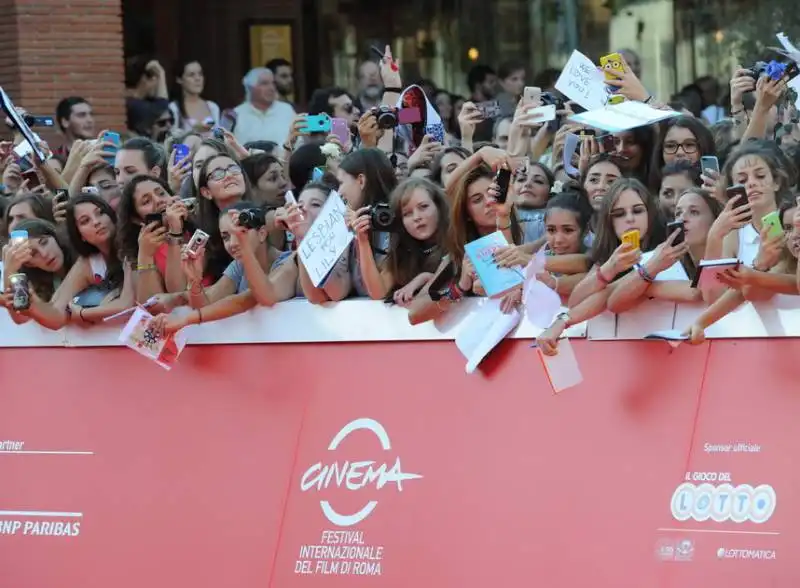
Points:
(612, 62)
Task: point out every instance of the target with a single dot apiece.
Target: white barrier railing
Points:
(297, 321)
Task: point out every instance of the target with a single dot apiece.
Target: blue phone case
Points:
(114, 138)
(317, 123)
(181, 151)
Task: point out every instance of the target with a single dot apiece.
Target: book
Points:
(495, 280)
(709, 269)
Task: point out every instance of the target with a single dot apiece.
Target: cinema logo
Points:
(355, 475)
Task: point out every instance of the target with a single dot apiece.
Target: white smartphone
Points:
(198, 240)
(547, 113)
(289, 197)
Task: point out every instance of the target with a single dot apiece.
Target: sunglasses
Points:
(165, 122)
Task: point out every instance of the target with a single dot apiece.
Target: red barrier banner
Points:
(384, 464)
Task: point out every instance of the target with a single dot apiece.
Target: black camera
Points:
(252, 218)
(386, 116)
(775, 70)
(383, 218)
(549, 98)
(47, 122)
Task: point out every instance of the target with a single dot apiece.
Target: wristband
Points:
(650, 98)
(643, 273)
(392, 89)
(144, 267)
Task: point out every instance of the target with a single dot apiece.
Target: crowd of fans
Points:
(105, 226)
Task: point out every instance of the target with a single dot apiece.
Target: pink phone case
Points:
(341, 129)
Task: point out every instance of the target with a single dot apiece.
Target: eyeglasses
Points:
(223, 172)
(687, 146)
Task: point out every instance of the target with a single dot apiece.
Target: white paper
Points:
(547, 113)
(138, 335)
(562, 369)
(541, 302)
(618, 118)
(570, 146)
(326, 240)
(483, 330)
(582, 82)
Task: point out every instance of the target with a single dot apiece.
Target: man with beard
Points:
(75, 120)
(370, 86)
(284, 78)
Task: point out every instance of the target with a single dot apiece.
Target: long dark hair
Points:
(715, 206)
(42, 282)
(130, 223)
(462, 230)
(217, 259)
(607, 240)
(408, 257)
(38, 203)
(782, 168)
(705, 144)
(177, 90)
(377, 170)
(84, 249)
(436, 166)
(256, 166)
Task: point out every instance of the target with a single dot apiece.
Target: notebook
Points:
(495, 280)
(709, 269)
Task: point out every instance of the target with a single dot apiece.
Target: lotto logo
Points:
(723, 503)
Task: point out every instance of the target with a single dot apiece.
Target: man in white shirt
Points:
(262, 117)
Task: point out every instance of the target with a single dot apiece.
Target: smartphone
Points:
(672, 227)
(341, 128)
(227, 120)
(190, 204)
(632, 237)
(181, 151)
(218, 133)
(317, 174)
(587, 133)
(409, 116)
(502, 178)
(17, 237)
(532, 94)
(738, 194)
(547, 113)
(115, 139)
(198, 240)
(32, 177)
(772, 222)
(317, 123)
(289, 198)
(612, 61)
(90, 190)
(490, 109)
(608, 142)
(61, 196)
(156, 217)
(709, 162)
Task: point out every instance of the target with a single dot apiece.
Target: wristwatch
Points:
(563, 317)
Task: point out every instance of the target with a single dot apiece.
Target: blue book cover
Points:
(495, 280)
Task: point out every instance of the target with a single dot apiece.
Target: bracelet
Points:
(643, 273)
(649, 99)
(601, 278)
(392, 89)
(175, 235)
(145, 267)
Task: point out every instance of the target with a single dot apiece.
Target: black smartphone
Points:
(608, 143)
(61, 196)
(502, 179)
(156, 217)
(738, 194)
(672, 227)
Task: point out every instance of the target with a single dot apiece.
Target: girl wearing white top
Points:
(737, 233)
(97, 273)
(189, 109)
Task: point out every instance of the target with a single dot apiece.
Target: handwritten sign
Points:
(326, 240)
(581, 82)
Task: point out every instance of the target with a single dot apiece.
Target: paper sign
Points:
(138, 335)
(20, 124)
(619, 118)
(541, 302)
(483, 330)
(562, 369)
(581, 82)
(327, 239)
(570, 146)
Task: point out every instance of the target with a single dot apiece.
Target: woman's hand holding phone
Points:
(628, 84)
(468, 118)
(175, 215)
(151, 237)
(667, 254)
(192, 265)
(731, 218)
(296, 221)
(15, 256)
(623, 259)
(769, 251)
